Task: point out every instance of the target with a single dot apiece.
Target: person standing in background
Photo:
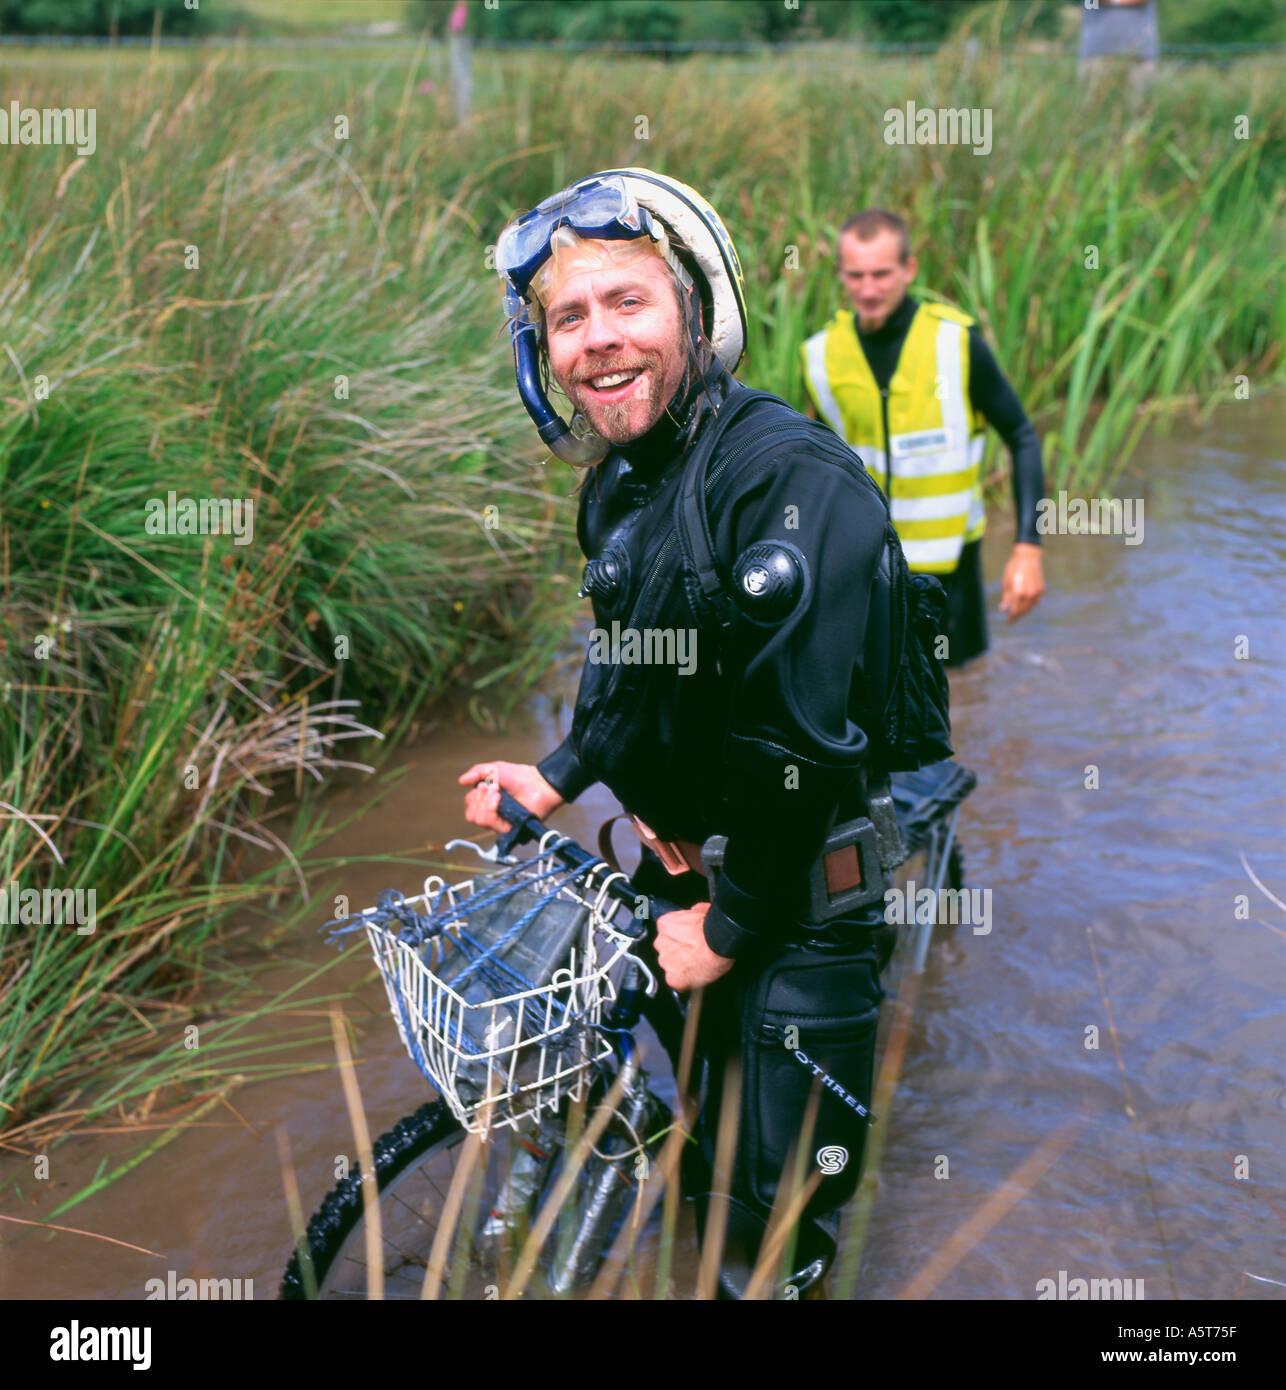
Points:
(1120, 29)
(911, 386)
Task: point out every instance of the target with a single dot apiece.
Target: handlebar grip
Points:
(656, 907)
(523, 826)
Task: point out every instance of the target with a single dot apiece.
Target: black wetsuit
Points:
(994, 399)
(765, 745)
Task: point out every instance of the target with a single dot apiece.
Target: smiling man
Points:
(619, 380)
(627, 290)
(911, 387)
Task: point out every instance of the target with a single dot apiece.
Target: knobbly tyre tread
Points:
(409, 1139)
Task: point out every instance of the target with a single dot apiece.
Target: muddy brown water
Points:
(1130, 665)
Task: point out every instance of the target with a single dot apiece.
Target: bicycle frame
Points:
(578, 1258)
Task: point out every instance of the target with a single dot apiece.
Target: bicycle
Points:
(524, 1067)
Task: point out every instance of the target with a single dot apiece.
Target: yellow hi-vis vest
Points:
(930, 465)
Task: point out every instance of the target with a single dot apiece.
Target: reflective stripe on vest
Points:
(933, 465)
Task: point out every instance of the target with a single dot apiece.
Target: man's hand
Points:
(681, 948)
(1024, 581)
(520, 780)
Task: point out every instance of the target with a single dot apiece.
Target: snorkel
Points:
(576, 444)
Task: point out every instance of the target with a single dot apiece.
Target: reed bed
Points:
(228, 301)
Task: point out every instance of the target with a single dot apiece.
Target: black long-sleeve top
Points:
(989, 393)
(770, 748)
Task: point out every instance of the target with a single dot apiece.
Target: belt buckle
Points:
(665, 850)
(860, 835)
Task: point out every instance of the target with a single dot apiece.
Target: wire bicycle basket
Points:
(498, 982)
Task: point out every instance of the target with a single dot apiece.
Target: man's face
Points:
(616, 320)
(874, 276)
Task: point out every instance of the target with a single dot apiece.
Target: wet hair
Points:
(870, 222)
(700, 356)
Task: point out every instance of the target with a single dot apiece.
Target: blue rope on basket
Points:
(485, 965)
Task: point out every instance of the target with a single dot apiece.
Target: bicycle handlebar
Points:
(523, 826)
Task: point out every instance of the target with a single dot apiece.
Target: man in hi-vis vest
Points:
(911, 387)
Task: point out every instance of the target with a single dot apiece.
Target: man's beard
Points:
(612, 420)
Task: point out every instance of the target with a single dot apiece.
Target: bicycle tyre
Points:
(410, 1147)
(403, 1157)
(430, 1129)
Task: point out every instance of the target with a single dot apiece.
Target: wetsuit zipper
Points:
(714, 475)
(776, 1032)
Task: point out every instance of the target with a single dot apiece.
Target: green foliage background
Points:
(1213, 22)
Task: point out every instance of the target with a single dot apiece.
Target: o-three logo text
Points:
(830, 1083)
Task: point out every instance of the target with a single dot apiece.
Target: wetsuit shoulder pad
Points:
(769, 581)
